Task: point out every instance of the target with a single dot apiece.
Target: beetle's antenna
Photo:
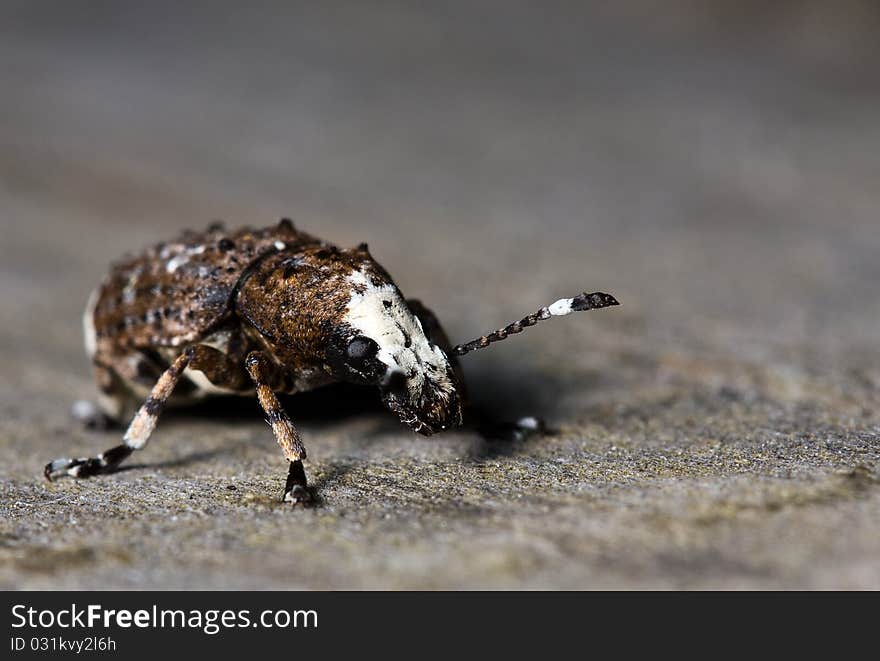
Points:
(560, 308)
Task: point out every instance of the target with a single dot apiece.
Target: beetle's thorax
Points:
(289, 300)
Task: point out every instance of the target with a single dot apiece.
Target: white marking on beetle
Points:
(179, 260)
(176, 262)
(203, 385)
(530, 422)
(88, 321)
(389, 326)
(219, 341)
(280, 245)
(561, 307)
(129, 293)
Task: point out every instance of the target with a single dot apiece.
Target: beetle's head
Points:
(378, 340)
(336, 315)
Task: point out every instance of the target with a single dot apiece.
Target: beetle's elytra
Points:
(269, 310)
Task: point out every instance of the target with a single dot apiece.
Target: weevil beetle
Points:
(267, 311)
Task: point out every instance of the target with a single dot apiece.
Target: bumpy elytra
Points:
(266, 311)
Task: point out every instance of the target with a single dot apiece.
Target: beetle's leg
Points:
(265, 375)
(138, 432)
(219, 368)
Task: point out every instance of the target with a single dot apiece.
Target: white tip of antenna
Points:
(561, 307)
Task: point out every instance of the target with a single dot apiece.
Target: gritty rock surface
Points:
(714, 170)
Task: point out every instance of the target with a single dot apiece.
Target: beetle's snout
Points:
(425, 407)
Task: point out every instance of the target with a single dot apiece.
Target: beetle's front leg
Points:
(264, 375)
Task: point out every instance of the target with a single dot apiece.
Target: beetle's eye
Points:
(362, 348)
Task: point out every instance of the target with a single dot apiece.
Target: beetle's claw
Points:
(58, 467)
(85, 467)
(298, 495)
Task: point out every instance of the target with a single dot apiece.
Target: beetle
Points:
(268, 310)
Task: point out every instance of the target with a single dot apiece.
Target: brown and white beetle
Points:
(275, 310)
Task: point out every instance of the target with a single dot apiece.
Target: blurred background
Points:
(714, 164)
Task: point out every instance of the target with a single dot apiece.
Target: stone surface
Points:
(716, 169)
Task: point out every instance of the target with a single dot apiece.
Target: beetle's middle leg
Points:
(266, 376)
